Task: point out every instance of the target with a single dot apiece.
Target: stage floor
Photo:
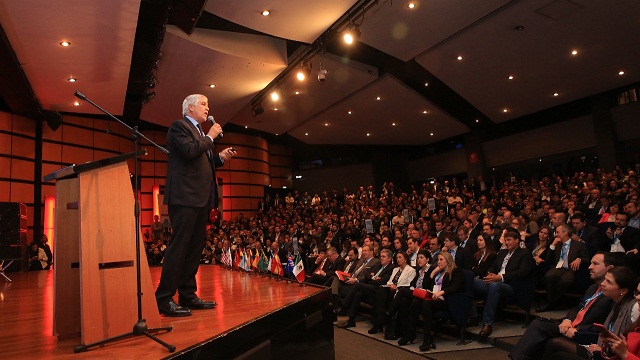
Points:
(26, 315)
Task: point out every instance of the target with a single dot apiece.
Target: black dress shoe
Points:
(485, 332)
(348, 324)
(173, 309)
(198, 304)
(547, 307)
(375, 329)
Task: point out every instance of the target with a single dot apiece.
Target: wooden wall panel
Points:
(5, 165)
(240, 177)
(23, 125)
(260, 179)
(5, 143)
(22, 169)
(5, 190)
(23, 147)
(102, 140)
(21, 192)
(78, 136)
(50, 135)
(51, 152)
(6, 121)
(160, 169)
(76, 155)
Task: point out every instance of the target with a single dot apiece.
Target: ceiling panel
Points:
(398, 104)
(539, 56)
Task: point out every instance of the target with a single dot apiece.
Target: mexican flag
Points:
(298, 269)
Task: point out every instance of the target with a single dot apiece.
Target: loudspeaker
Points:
(53, 119)
(185, 14)
(13, 224)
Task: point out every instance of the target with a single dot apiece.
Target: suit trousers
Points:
(492, 292)
(534, 339)
(557, 283)
(182, 255)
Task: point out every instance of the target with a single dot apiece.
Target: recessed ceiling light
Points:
(368, 134)
(425, 112)
(431, 134)
(326, 124)
(574, 52)
(540, 160)
(266, 12)
(297, 92)
(300, 75)
(76, 103)
(459, 57)
(426, 84)
(306, 134)
(212, 85)
(65, 43)
(510, 77)
(520, 27)
(378, 98)
(477, 120)
(275, 96)
(72, 79)
(275, 109)
(555, 94)
(393, 124)
(246, 127)
(411, 5)
(349, 112)
(620, 72)
(505, 110)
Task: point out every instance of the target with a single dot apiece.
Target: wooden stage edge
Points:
(257, 317)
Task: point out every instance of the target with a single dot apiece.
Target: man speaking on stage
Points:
(190, 193)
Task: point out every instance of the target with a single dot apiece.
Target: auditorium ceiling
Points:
(416, 74)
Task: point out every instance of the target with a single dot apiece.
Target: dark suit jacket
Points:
(384, 276)
(464, 259)
(519, 266)
(425, 280)
(630, 238)
(597, 313)
(337, 265)
(577, 249)
(480, 269)
(372, 267)
(190, 173)
(451, 285)
(594, 240)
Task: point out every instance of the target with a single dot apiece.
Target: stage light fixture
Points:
(352, 34)
(275, 96)
(256, 110)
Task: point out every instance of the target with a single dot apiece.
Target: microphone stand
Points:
(140, 327)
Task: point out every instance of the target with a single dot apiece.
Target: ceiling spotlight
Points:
(256, 110)
(505, 110)
(65, 43)
(349, 112)
(326, 124)
(265, 12)
(76, 103)
(555, 94)
(297, 92)
(306, 134)
(352, 34)
(477, 120)
(520, 27)
(574, 52)
(425, 112)
(275, 96)
(426, 84)
(72, 79)
(378, 98)
(246, 127)
(300, 75)
(368, 134)
(275, 109)
(212, 86)
(393, 124)
(621, 72)
(510, 77)
(430, 134)
(459, 57)
(411, 5)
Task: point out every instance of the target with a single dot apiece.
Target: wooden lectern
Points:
(95, 271)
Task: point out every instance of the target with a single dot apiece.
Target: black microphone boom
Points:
(80, 95)
(213, 122)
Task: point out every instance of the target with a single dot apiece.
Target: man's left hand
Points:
(227, 154)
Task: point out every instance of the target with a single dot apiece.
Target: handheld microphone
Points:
(213, 122)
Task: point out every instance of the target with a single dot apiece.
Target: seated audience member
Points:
(588, 234)
(399, 279)
(399, 245)
(512, 264)
(465, 241)
(484, 257)
(365, 266)
(446, 279)
(366, 289)
(434, 246)
(462, 257)
(618, 285)
(593, 308)
(623, 238)
(565, 257)
(412, 250)
(539, 253)
(37, 258)
(404, 297)
(323, 275)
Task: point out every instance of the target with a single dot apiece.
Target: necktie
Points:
(360, 268)
(380, 271)
(585, 308)
(202, 135)
(397, 277)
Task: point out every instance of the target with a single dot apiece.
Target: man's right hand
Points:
(215, 130)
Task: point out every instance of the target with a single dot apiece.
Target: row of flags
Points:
(252, 260)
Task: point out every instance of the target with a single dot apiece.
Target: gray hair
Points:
(190, 100)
